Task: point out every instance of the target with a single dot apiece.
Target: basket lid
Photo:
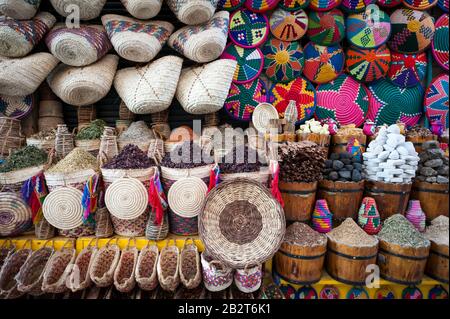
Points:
(440, 45)
(352, 6)
(62, 208)
(16, 106)
(261, 6)
(324, 5)
(186, 196)
(262, 115)
(367, 65)
(436, 100)
(293, 5)
(420, 4)
(15, 214)
(407, 70)
(229, 5)
(126, 198)
(250, 62)
(323, 64)
(326, 28)
(248, 29)
(288, 26)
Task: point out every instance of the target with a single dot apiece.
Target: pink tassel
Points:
(155, 202)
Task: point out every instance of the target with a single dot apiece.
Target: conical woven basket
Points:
(149, 89)
(193, 11)
(146, 275)
(58, 269)
(18, 38)
(15, 215)
(22, 76)
(19, 9)
(202, 43)
(204, 89)
(104, 265)
(9, 271)
(86, 85)
(124, 279)
(135, 40)
(143, 9)
(78, 46)
(88, 9)
(79, 278)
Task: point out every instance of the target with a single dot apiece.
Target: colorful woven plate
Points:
(412, 293)
(385, 293)
(323, 5)
(261, 5)
(293, 5)
(248, 29)
(357, 293)
(301, 91)
(306, 292)
(229, 5)
(16, 107)
(344, 100)
(412, 31)
(323, 64)
(326, 28)
(368, 29)
(288, 26)
(438, 292)
(407, 70)
(243, 98)
(439, 44)
(443, 4)
(389, 3)
(250, 62)
(353, 6)
(283, 61)
(436, 100)
(390, 103)
(420, 4)
(329, 292)
(367, 65)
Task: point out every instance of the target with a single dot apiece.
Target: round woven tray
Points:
(287, 25)
(262, 115)
(248, 29)
(436, 100)
(407, 70)
(15, 215)
(62, 208)
(16, 107)
(440, 45)
(186, 196)
(326, 28)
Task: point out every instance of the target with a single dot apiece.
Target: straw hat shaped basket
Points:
(136, 40)
(143, 9)
(151, 88)
(190, 268)
(15, 215)
(124, 279)
(88, 9)
(241, 223)
(202, 43)
(79, 278)
(204, 89)
(146, 274)
(193, 11)
(168, 267)
(78, 46)
(104, 265)
(19, 9)
(18, 38)
(58, 269)
(81, 86)
(22, 76)
(11, 137)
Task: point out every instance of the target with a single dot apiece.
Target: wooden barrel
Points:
(348, 264)
(300, 265)
(433, 198)
(419, 140)
(437, 264)
(339, 142)
(343, 198)
(391, 198)
(299, 200)
(402, 265)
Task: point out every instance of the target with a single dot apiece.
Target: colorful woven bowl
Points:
(248, 29)
(436, 100)
(229, 5)
(244, 98)
(293, 5)
(368, 29)
(367, 65)
(287, 25)
(326, 28)
(250, 62)
(407, 70)
(443, 4)
(353, 6)
(439, 45)
(412, 31)
(323, 64)
(344, 100)
(299, 90)
(390, 104)
(16, 107)
(323, 5)
(420, 4)
(283, 61)
(261, 5)
(389, 3)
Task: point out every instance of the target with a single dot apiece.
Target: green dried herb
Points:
(28, 156)
(93, 131)
(399, 231)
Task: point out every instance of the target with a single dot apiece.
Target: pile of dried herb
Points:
(77, 160)
(300, 234)
(27, 156)
(350, 234)
(131, 157)
(45, 135)
(438, 231)
(398, 230)
(93, 131)
(137, 131)
(186, 155)
(240, 160)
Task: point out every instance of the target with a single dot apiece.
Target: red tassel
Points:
(212, 179)
(155, 202)
(35, 206)
(274, 185)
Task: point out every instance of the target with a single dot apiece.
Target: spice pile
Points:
(27, 156)
(300, 234)
(301, 162)
(350, 234)
(131, 157)
(77, 160)
(433, 166)
(438, 231)
(92, 132)
(398, 230)
(313, 126)
(137, 131)
(418, 131)
(45, 135)
(186, 155)
(343, 167)
(240, 160)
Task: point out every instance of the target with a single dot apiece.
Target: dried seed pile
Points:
(300, 234)
(93, 131)
(418, 131)
(137, 131)
(399, 231)
(438, 231)
(350, 234)
(186, 155)
(240, 160)
(131, 157)
(77, 160)
(27, 156)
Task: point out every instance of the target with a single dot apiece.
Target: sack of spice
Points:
(138, 134)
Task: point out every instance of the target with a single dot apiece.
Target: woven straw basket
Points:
(75, 179)
(89, 9)
(130, 227)
(104, 265)
(157, 232)
(19, 9)
(149, 89)
(13, 181)
(91, 146)
(86, 85)
(262, 176)
(190, 268)
(9, 271)
(79, 278)
(216, 276)
(124, 279)
(22, 76)
(168, 267)
(43, 229)
(58, 269)
(78, 46)
(135, 40)
(45, 145)
(143, 9)
(15, 215)
(204, 89)
(11, 137)
(146, 274)
(103, 224)
(249, 279)
(6, 249)
(193, 11)
(202, 43)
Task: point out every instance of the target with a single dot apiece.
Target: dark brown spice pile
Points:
(131, 157)
(300, 234)
(186, 155)
(240, 160)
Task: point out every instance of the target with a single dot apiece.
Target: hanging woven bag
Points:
(103, 224)
(168, 267)
(124, 275)
(87, 9)
(146, 268)
(157, 232)
(104, 264)
(58, 269)
(249, 279)
(190, 268)
(193, 12)
(216, 276)
(79, 278)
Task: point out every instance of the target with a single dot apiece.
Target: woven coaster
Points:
(440, 44)
(412, 293)
(353, 6)
(367, 65)
(248, 29)
(250, 62)
(443, 4)
(229, 5)
(323, 64)
(293, 5)
(324, 5)
(126, 198)
(420, 4)
(407, 70)
(389, 3)
(357, 293)
(287, 25)
(326, 28)
(62, 208)
(186, 197)
(261, 5)
(329, 292)
(16, 107)
(436, 100)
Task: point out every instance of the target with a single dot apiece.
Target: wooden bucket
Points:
(348, 264)
(433, 198)
(300, 265)
(343, 198)
(391, 198)
(402, 265)
(419, 140)
(437, 264)
(299, 200)
(339, 142)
